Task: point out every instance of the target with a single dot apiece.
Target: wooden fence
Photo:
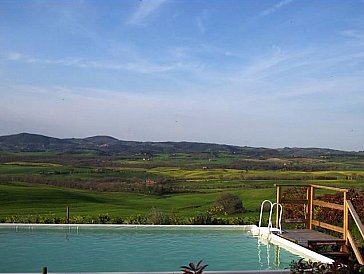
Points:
(309, 204)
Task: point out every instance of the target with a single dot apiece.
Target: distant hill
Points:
(109, 145)
(102, 140)
(28, 138)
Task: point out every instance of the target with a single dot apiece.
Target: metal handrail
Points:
(261, 213)
(280, 215)
(270, 224)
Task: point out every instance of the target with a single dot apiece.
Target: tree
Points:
(230, 202)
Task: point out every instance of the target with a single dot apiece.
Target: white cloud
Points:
(355, 36)
(200, 24)
(201, 21)
(144, 10)
(14, 56)
(276, 7)
(139, 65)
(264, 64)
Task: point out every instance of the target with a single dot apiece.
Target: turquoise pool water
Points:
(135, 249)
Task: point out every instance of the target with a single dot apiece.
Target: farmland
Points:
(178, 184)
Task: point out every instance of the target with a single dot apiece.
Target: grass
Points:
(32, 164)
(25, 179)
(29, 199)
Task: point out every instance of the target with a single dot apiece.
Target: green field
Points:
(184, 185)
(27, 200)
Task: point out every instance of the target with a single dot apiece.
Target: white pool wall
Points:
(264, 234)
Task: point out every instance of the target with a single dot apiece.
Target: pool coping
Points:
(265, 235)
(290, 246)
(279, 271)
(14, 225)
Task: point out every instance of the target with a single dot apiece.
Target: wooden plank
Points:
(331, 188)
(346, 220)
(309, 207)
(336, 254)
(312, 197)
(356, 218)
(326, 204)
(290, 185)
(309, 234)
(328, 226)
(295, 221)
(355, 248)
(297, 201)
(326, 243)
(307, 237)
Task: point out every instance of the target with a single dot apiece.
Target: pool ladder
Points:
(270, 224)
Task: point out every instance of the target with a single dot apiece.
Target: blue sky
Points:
(256, 73)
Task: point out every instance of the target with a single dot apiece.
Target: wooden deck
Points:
(307, 237)
(310, 200)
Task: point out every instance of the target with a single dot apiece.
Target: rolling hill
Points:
(27, 142)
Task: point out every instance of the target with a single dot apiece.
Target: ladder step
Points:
(327, 243)
(336, 254)
(295, 221)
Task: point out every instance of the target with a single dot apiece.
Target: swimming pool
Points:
(135, 249)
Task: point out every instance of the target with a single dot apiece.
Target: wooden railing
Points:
(314, 202)
(350, 237)
(282, 201)
(309, 204)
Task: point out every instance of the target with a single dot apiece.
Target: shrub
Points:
(304, 267)
(136, 220)
(158, 218)
(154, 217)
(104, 219)
(356, 198)
(293, 211)
(230, 202)
(215, 210)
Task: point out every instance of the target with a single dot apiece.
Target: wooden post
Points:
(312, 197)
(345, 220)
(44, 270)
(309, 204)
(278, 192)
(345, 248)
(68, 214)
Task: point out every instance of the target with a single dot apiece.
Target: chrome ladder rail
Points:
(270, 224)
